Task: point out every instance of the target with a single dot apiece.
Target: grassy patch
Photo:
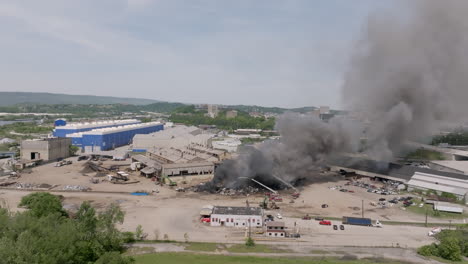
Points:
(318, 251)
(424, 154)
(258, 248)
(431, 212)
(447, 261)
(200, 246)
(183, 258)
(139, 250)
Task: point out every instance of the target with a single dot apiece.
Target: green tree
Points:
(43, 235)
(249, 242)
(42, 204)
(139, 232)
(449, 248)
(73, 150)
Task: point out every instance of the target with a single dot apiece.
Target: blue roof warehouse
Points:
(62, 129)
(108, 137)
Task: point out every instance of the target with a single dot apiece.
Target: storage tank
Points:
(60, 122)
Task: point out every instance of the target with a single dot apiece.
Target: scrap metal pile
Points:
(76, 188)
(34, 186)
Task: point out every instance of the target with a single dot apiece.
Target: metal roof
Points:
(99, 124)
(391, 169)
(188, 165)
(439, 183)
(225, 210)
(147, 161)
(115, 129)
(447, 207)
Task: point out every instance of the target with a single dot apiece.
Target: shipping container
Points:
(357, 221)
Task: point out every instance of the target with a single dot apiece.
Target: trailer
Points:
(357, 221)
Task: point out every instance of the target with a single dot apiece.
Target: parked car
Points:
(306, 217)
(341, 227)
(318, 218)
(324, 205)
(206, 220)
(279, 216)
(335, 227)
(295, 235)
(325, 222)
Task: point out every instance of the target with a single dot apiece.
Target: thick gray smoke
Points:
(305, 145)
(408, 73)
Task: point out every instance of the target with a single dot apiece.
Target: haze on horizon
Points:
(267, 52)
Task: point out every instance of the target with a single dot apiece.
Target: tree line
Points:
(47, 234)
(190, 116)
(452, 245)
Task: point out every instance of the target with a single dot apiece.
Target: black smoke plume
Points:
(407, 76)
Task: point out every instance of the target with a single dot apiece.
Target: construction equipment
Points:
(264, 204)
(166, 179)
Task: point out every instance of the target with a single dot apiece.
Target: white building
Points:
(275, 229)
(440, 184)
(237, 216)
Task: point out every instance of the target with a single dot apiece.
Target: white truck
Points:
(434, 231)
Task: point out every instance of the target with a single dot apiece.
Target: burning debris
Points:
(405, 79)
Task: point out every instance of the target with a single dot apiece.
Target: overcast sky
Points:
(264, 52)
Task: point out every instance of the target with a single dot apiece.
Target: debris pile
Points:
(227, 191)
(79, 188)
(90, 166)
(34, 186)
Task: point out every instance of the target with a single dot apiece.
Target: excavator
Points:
(271, 205)
(164, 180)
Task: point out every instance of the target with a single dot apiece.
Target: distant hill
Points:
(12, 98)
(262, 109)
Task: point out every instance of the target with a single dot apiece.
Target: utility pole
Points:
(426, 218)
(362, 208)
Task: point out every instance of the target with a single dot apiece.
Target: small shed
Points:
(447, 207)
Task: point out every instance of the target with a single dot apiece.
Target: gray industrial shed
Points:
(47, 149)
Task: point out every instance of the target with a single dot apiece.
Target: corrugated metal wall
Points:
(113, 140)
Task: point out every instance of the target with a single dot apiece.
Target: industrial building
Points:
(237, 216)
(177, 151)
(62, 128)
(213, 110)
(440, 184)
(111, 137)
(48, 149)
(176, 137)
(412, 176)
(193, 168)
(231, 114)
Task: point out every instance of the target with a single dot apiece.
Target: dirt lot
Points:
(176, 214)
